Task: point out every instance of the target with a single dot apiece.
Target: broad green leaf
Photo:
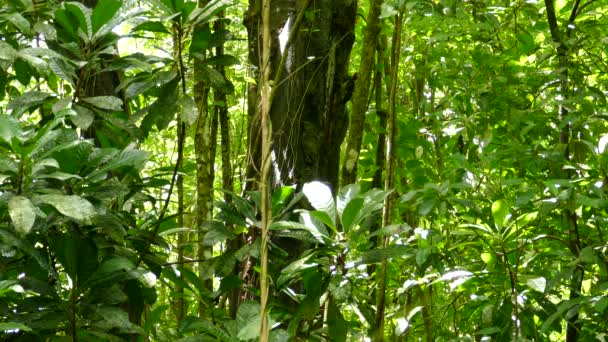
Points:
(13, 326)
(320, 197)
(338, 328)
(151, 26)
(20, 22)
(537, 283)
(116, 318)
(205, 14)
(224, 60)
(82, 15)
(78, 255)
(351, 213)
(500, 210)
(7, 52)
(9, 128)
(163, 110)
(345, 195)
(28, 100)
(279, 335)
(217, 232)
(294, 268)
(289, 225)
(103, 12)
(22, 213)
(201, 40)
(105, 102)
(188, 110)
(84, 117)
(377, 255)
(72, 206)
(427, 204)
(249, 320)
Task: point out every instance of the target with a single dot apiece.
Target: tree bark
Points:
(308, 108)
(361, 94)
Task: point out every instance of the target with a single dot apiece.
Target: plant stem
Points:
(264, 179)
(390, 173)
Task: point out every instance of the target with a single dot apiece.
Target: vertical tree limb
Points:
(361, 93)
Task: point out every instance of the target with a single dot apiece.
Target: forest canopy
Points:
(303, 170)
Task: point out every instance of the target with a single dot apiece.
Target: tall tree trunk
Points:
(361, 94)
(308, 108)
(204, 163)
(389, 182)
(569, 217)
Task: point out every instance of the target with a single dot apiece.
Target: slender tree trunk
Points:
(390, 173)
(265, 176)
(361, 94)
(227, 180)
(569, 217)
(204, 164)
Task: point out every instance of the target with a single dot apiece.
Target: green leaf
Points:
(19, 21)
(105, 102)
(151, 26)
(72, 206)
(201, 39)
(103, 12)
(217, 233)
(14, 326)
(22, 213)
(379, 254)
(337, 326)
(320, 197)
(205, 14)
(351, 213)
(82, 15)
(249, 319)
(84, 117)
(188, 110)
(289, 225)
(537, 283)
(345, 195)
(9, 128)
(78, 256)
(7, 52)
(427, 204)
(295, 268)
(500, 210)
(27, 101)
(223, 60)
(163, 110)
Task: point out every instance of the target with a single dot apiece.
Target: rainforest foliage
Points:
(303, 170)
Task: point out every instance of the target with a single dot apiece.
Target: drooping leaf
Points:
(13, 326)
(205, 14)
(72, 206)
(105, 102)
(151, 26)
(22, 213)
(320, 197)
(9, 128)
(103, 12)
(249, 319)
(78, 255)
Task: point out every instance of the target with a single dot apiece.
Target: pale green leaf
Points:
(320, 197)
(72, 206)
(22, 213)
(500, 210)
(105, 102)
